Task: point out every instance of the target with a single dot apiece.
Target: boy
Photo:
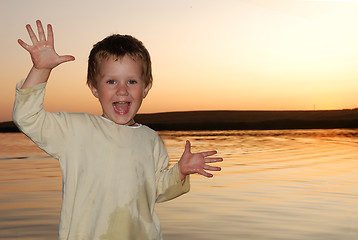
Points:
(114, 169)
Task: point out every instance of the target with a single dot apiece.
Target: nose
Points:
(122, 90)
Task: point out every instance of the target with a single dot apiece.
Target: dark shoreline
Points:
(240, 120)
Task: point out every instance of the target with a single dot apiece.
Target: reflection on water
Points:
(286, 184)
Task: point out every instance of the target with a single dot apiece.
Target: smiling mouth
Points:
(121, 107)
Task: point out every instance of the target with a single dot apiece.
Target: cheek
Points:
(138, 96)
(138, 93)
(105, 93)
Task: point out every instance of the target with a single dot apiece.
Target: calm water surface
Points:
(287, 184)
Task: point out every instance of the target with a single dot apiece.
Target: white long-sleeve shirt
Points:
(112, 174)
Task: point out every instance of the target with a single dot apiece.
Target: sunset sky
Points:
(206, 54)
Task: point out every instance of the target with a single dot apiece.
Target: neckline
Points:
(135, 125)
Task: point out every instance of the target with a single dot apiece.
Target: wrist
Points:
(181, 174)
(40, 71)
(36, 76)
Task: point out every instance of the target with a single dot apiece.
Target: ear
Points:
(146, 89)
(93, 90)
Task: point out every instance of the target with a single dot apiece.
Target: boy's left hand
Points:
(190, 163)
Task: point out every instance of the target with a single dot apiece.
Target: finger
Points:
(213, 160)
(212, 168)
(31, 34)
(208, 153)
(206, 174)
(50, 38)
(23, 44)
(40, 29)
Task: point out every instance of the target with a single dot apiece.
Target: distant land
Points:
(241, 120)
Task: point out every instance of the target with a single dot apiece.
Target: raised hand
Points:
(190, 163)
(42, 50)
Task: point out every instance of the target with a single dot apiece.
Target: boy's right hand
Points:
(43, 54)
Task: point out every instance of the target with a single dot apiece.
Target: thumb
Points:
(66, 58)
(188, 146)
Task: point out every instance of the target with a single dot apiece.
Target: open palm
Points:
(42, 50)
(197, 162)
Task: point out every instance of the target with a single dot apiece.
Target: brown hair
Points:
(118, 46)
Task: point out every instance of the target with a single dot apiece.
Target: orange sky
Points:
(207, 54)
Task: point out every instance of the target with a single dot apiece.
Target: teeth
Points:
(121, 103)
(121, 107)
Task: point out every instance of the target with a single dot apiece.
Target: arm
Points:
(43, 55)
(190, 163)
(168, 182)
(173, 182)
(47, 130)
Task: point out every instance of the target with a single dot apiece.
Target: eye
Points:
(132, 81)
(111, 81)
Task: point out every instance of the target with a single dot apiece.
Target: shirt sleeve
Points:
(168, 181)
(47, 130)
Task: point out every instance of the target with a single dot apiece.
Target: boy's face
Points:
(120, 89)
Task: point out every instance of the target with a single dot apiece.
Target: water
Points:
(286, 184)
